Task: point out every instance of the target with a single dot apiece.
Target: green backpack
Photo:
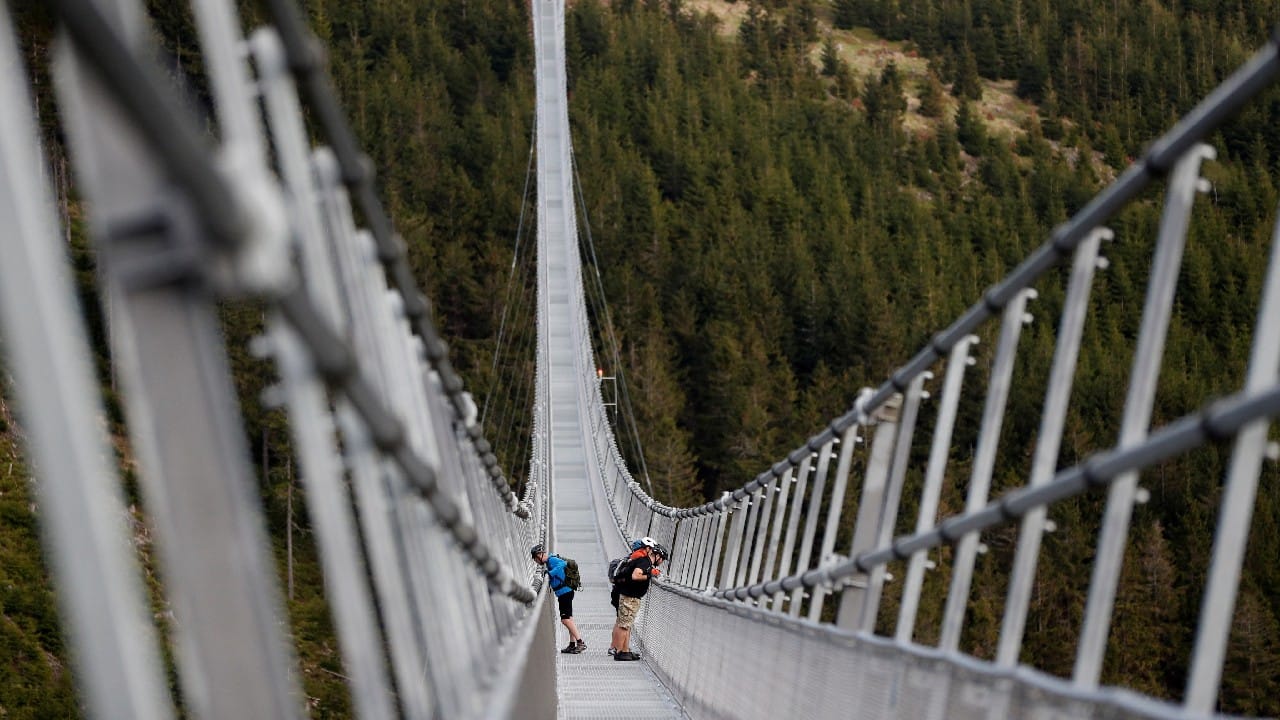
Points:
(572, 578)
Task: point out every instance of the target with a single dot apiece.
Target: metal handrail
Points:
(719, 534)
(1218, 422)
(182, 150)
(1222, 104)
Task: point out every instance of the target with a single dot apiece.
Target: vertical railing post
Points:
(1048, 443)
(741, 508)
(873, 511)
(1234, 519)
(699, 552)
(1015, 317)
(713, 560)
(1184, 182)
(934, 472)
(757, 555)
(262, 263)
(811, 522)
(784, 486)
(793, 523)
(892, 496)
(639, 511)
(754, 503)
(321, 470)
(706, 547)
(182, 410)
(834, 509)
(702, 554)
(624, 506)
(693, 525)
(98, 581)
(682, 531)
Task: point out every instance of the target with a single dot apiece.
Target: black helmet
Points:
(536, 550)
(662, 551)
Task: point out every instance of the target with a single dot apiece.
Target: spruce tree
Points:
(848, 13)
(968, 85)
(932, 97)
(831, 62)
(970, 130)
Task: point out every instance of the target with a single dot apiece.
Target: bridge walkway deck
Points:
(592, 684)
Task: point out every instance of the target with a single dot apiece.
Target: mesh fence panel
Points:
(723, 660)
(663, 530)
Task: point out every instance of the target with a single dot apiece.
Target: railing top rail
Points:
(306, 60)
(184, 158)
(182, 153)
(1218, 421)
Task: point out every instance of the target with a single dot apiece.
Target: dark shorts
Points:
(566, 605)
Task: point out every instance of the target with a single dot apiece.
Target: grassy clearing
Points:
(867, 54)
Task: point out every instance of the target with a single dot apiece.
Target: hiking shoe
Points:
(582, 644)
(626, 656)
(573, 648)
(612, 651)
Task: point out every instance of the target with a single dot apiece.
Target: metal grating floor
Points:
(592, 684)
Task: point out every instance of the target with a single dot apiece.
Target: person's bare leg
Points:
(572, 627)
(616, 641)
(624, 637)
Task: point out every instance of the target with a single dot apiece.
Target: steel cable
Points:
(608, 325)
(306, 62)
(507, 295)
(1227, 99)
(1215, 423)
(183, 154)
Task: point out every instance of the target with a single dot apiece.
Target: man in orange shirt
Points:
(643, 566)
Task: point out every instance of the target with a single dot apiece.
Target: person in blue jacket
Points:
(564, 596)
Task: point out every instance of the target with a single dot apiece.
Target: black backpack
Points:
(620, 569)
(572, 577)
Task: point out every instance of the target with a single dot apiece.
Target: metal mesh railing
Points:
(422, 543)
(777, 578)
(774, 597)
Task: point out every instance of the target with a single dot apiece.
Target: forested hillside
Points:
(776, 227)
(777, 236)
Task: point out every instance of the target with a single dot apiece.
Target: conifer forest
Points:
(780, 201)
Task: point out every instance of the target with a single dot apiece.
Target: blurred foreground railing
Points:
(422, 543)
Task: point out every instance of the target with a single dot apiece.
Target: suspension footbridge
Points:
(774, 604)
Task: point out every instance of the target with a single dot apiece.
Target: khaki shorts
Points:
(628, 607)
